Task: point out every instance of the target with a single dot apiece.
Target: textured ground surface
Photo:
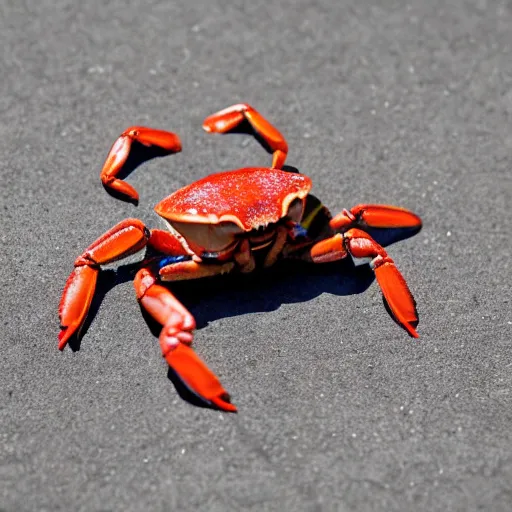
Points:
(397, 102)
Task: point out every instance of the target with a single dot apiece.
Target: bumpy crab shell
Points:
(250, 198)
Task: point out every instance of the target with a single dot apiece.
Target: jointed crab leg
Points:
(375, 216)
(121, 149)
(229, 118)
(127, 237)
(175, 338)
(360, 244)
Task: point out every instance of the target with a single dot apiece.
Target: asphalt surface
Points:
(406, 103)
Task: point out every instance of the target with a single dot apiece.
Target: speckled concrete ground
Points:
(406, 103)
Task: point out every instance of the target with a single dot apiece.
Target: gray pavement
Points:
(407, 103)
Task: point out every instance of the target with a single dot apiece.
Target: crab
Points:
(229, 222)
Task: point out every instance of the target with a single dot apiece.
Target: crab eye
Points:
(295, 210)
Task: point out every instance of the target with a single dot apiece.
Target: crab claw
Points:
(397, 294)
(75, 302)
(195, 374)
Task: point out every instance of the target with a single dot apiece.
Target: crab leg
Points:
(229, 118)
(375, 216)
(359, 244)
(119, 152)
(175, 338)
(127, 237)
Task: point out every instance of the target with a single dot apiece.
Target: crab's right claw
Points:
(76, 301)
(397, 294)
(196, 375)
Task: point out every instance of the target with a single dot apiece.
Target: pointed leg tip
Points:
(223, 403)
(121, 190)
(411, 330)
(63, 338)
(216, 126)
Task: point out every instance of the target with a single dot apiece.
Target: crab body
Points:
(215, 212)
(232, 221)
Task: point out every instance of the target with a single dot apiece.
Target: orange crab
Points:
(232, 221)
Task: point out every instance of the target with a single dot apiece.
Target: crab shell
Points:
(212, 212)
